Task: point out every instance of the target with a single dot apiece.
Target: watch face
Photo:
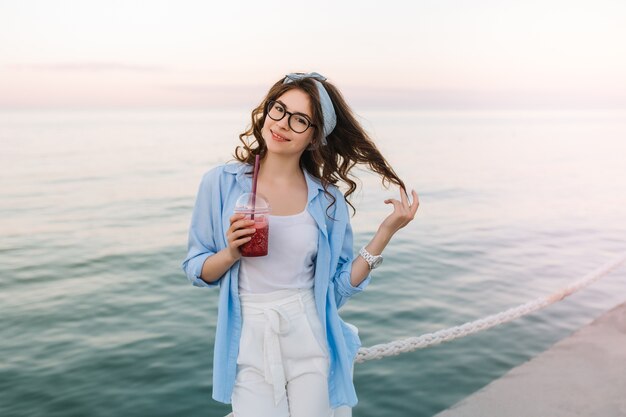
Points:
(377, 262)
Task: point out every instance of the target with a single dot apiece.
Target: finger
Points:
(242, 232)
(239, 242)
(236, 217)
(404, 198)
(231, 237)
(416, 202)
(243, 223)
(397, 205)
(240, 224)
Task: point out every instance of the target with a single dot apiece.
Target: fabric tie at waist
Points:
(277, 322)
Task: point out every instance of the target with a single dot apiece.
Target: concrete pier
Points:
(582, 375)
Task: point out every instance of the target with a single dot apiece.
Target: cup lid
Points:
(248, 203)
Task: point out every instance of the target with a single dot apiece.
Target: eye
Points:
(279, 108)
(302, 121)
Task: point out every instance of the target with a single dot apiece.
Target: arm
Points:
(403, 213)
(342, 278)
(216, 265)
(205, 263)
(201, 242)
(360, 267)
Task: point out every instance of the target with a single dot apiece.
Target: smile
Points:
(279, 138)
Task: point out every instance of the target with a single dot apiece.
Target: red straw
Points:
(255, 177)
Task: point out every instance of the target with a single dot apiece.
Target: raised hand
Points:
(403, 212)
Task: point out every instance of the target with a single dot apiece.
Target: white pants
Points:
(283, 362)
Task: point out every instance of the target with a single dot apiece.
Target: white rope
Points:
(446, 335)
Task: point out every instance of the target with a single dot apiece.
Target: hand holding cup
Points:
(239, 233)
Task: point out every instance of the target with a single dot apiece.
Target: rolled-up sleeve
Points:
(343, 287)
(201, 242)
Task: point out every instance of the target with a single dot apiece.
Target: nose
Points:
(284, 122)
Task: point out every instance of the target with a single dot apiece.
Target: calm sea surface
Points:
(97, 319)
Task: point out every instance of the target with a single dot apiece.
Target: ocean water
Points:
(97, 319)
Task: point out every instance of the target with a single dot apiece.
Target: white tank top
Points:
(290, 260)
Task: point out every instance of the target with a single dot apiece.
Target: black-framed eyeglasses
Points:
(298, 122)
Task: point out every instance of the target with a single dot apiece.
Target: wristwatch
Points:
(372, 261)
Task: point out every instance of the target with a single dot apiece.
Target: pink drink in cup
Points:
(259, 212)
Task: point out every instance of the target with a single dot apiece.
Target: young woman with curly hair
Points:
(281, 348)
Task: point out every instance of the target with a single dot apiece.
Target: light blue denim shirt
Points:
(219, 190)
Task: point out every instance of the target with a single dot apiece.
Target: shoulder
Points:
(224, 171)
(336, 192)
(217, 180)
(340, 208)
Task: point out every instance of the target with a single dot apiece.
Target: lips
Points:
(279, 138)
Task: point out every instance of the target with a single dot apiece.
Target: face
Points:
(278, 135)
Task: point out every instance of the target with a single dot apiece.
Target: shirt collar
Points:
(240, 169)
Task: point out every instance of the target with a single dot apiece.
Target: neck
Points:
(280, 168)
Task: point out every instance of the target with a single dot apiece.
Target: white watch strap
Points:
(369, 258)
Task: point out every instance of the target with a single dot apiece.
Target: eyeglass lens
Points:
(297, 122)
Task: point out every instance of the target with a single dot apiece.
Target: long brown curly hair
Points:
(347, 145)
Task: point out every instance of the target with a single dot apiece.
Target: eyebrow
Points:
(286, 107)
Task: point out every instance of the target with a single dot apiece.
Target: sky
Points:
(391, 54)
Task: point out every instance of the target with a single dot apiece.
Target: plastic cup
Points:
(259, 212)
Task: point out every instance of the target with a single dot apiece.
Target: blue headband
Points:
(328, 111)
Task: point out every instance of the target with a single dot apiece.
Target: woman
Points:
(281, 348)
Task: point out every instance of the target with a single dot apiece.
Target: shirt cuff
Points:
(195, 270)
(199, 282)
(345, 287)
